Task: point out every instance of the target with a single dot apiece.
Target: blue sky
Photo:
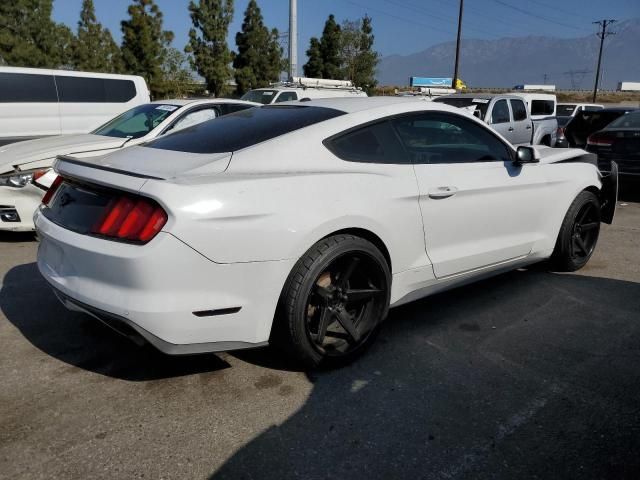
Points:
(400, 26)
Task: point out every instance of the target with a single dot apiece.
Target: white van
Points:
(302, 88)
(37, 102)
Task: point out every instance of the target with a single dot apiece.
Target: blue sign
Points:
(430, 82)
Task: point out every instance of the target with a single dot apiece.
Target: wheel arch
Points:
(367, 235)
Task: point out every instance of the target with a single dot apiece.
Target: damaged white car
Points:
(300, 224)
(26, 167)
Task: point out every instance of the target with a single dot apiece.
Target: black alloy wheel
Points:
(578, 234)
(334, 300)
(344, 304)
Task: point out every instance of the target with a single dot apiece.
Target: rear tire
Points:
(578, 234)
(333, 302)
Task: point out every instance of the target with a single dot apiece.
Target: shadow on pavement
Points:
(629, 191)
(15, 237)
(526, 375)
(77, 339)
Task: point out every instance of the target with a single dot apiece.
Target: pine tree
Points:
(211, 56)
(94, 49)
(330, 50)
(259, 58)
(144, 43)
(359, 60)
(28, 36)
(313, 67)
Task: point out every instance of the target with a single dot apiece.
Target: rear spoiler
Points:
(77, 161)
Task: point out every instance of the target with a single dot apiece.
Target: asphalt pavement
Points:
(529, 374)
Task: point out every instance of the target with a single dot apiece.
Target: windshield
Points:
(630, 120)
(264, 97)
(137, 122)
(562, 121)
(565, 109)
(480, 104)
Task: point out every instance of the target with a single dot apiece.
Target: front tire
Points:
(333, 302)
(578, 234)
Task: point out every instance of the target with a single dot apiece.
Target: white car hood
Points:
(157, 163)
(555, 155)
(42, 151)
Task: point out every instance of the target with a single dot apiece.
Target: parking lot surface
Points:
(530, 374)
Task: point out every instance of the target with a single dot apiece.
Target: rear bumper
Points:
(17, 206)
(164, 292)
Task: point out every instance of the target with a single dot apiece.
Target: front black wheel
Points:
(578, 234)
(334, 301)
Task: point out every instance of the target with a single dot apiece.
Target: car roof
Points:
(617, 109)
(202, 101)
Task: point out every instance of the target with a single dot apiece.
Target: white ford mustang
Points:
(302, 223)
(25, 167)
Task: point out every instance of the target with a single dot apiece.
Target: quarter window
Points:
(432, 137)
(94, 90)
(27, 88)
(374, 143)
(500, 113)
(519, 110)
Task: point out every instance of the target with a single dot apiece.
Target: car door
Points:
(522, 125)
(479, 209)
(500, 119)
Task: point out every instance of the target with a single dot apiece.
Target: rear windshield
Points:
(242, 129)
(562, 121)
(565, 109)
(478, 104)
(630, 120)
(542, 107)
(264, 97)
(593, 121)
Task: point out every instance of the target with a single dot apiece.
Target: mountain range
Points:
(506, 62)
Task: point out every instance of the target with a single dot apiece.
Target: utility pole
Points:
(293, 39)
(601, 34)
(455, 70)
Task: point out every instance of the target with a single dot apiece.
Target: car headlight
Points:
(20, 179)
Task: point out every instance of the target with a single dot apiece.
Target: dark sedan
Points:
(577, 130)
(619, 141)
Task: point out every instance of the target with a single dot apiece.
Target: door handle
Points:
(528, 127)
(442, 192)
(511, 129)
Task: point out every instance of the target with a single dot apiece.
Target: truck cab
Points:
(507, 114)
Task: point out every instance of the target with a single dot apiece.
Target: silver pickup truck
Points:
(510, 115)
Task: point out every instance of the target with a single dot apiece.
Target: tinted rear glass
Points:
(566, 109)
(630, 120)
(95, 90)
(542, 107)
(243, 129)
(28, 88)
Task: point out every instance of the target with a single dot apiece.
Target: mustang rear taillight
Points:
(135, 219)
(52, 190)
(601, 139)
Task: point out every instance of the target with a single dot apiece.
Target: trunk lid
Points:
(40, 152)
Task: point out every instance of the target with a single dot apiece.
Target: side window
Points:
(193, 118)
(500, 113)
(27, 88)
(519, 110)
(286, 97)
(434, 137)
(374, 143)
(94, 90)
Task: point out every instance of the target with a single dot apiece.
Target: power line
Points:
(535, 15)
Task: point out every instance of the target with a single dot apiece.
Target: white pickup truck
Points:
(512, 115)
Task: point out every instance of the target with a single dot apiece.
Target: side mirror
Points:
(526, 155)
